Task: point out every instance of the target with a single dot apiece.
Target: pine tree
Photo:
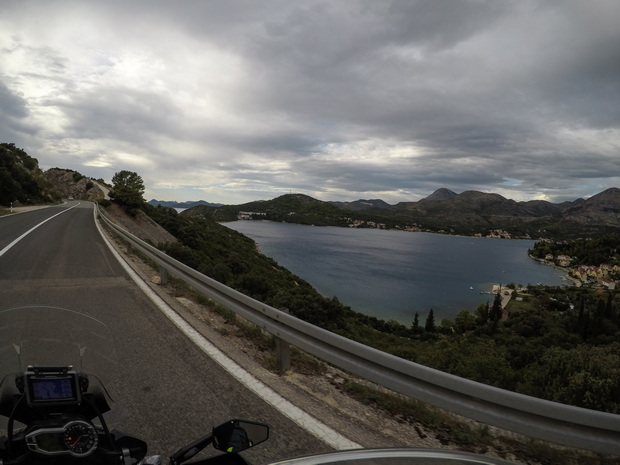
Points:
(582, 306)
(127, 190)
(415, 327)
(429, 326)
(585, 326)
(496, 310)
(609, 306)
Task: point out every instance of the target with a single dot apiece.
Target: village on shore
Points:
(599, 277)
(603, 276)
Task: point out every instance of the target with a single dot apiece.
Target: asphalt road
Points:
(172, 391)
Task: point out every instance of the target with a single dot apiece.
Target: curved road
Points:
(173, 392)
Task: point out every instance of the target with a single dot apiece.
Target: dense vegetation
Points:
(289, 208)
(233, 259)
(21, 180)
(594, 252)
(559, 344)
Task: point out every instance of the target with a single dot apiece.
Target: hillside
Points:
(21, 179)
(140, 225)
(22, 182)
(603, 209)
(188, 204)
(289, 208)
(467, 213)
(362, 204)
(71, 184)
(440, 194)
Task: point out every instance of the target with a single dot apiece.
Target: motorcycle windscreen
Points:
(56, 337)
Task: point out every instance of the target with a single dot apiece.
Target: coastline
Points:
(576, 282)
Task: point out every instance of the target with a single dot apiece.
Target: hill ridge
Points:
(468, 213)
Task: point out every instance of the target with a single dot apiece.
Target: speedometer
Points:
(80, 438)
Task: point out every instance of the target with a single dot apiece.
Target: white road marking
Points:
(315, 427)
(6, 249)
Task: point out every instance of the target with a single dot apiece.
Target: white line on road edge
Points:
(6, 249)
(315, 427)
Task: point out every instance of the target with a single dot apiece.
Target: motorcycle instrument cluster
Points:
(77, 438)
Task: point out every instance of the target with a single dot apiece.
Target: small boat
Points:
(471, 288)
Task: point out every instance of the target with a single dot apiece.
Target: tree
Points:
(482, 314)
(464, 322)
(429, 326)
(580, 317)
(415, 327)
(609, 306)
(127, 189)
(496, 310)
(583, 375)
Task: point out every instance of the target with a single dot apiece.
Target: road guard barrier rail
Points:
(538, 418)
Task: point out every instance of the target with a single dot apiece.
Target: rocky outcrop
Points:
(71, 184)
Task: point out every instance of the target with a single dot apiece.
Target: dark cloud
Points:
(357, 98)
(14, 126)
(11, 105)
(125, 113)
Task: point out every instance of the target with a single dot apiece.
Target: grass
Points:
(448, 429)
(515, 306)
(301, 363)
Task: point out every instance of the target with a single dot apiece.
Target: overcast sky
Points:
(233, 101)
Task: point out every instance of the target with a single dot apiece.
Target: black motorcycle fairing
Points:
(14, 405)
(43, 348)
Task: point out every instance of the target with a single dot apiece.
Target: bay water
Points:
(394, 274)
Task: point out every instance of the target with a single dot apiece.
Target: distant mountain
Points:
(440, 194)
(472, 212)
(362, 204)
(544, 208)
(289, 208)
(187, 204)
(468, 213)
(600, 210)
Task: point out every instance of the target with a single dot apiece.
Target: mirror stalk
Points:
(187, 452)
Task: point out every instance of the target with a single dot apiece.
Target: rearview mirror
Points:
(237, 435)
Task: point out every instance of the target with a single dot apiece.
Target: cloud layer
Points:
(232, 101)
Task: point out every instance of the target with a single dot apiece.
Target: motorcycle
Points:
(57, 365)
(58, 368)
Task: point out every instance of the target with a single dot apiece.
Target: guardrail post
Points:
(283, 352)
(163, 275)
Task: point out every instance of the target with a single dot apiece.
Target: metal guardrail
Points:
(541, 419)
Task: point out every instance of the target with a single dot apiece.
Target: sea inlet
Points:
(394, 274)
